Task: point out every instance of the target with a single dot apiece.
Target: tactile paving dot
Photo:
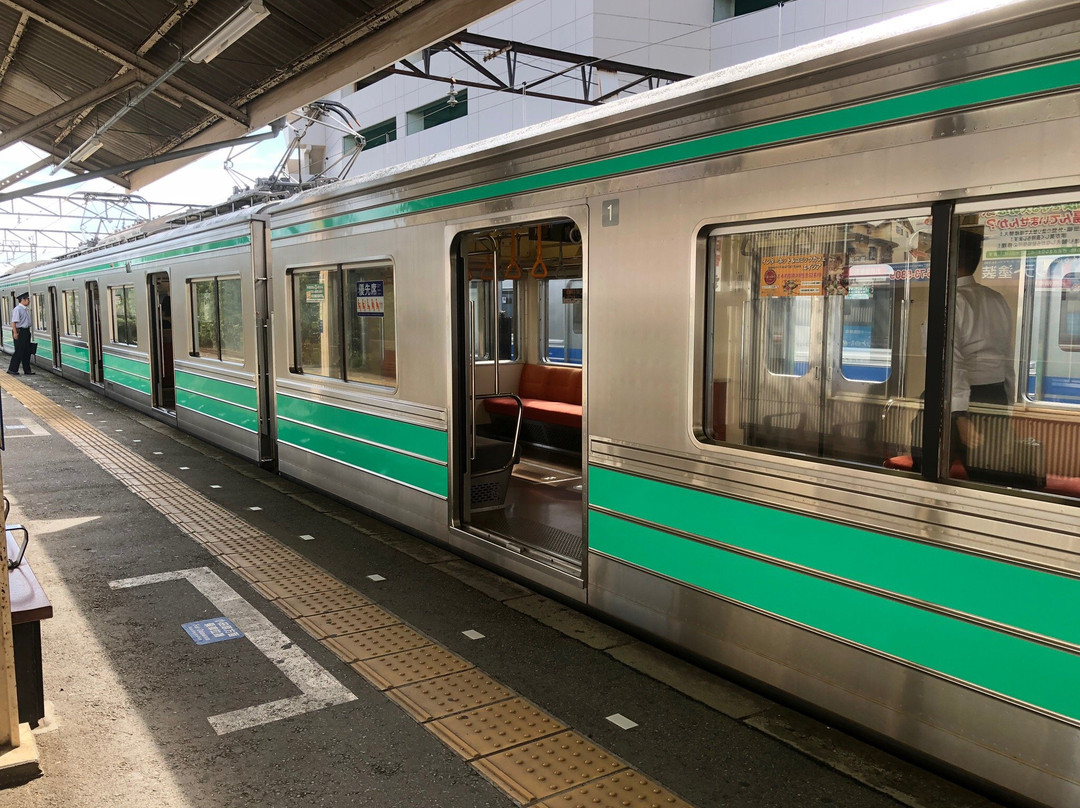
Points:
(376, 643)
(540, 769)
(348, 621)
(334, 600)
(410, 666)
(304, 585)
(618, 791)
(438, 698)
(494, 727)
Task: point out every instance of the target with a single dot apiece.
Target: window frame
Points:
(341, 271)
(69, 297)
(543, 324)
(193, 321)
(38, 313)
(130, 313)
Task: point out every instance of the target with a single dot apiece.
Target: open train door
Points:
(163, 384)
(93, 333)
(518, 402)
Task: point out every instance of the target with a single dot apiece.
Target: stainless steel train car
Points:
(700, 361)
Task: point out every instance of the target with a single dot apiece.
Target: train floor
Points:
(225, 637)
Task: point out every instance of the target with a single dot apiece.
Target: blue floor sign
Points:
(217, 629)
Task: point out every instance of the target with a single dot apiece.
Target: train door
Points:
(520, 363)
(54, 327)
(93, 333)
(163, 386)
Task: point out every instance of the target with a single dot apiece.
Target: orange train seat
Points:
(548, 393)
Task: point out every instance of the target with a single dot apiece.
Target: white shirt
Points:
(982, 341)
(20, 317)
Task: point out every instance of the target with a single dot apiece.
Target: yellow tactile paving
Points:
(546, 767)
(410, 666)
(376, 642)
(622, 789)
(446, 695)
(466, 708)
(334, 600)
(494, 727)
(348, 621)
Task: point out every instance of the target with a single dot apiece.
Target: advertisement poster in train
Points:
(791, 275)
(1023, 232)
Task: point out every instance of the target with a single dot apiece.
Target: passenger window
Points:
(485, 331)
(317, 322)
(122, 304)
(1018, 308)
(217, 319)
(811, 349)
(1069, 311)
(561, 324)
(72, 313)
(370, 325)
(41, 323)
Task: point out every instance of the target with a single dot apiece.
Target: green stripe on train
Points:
(222, 410)
(1038, 602)
(132, 373)
(44, 347)
(422, 474)
(1028, 671)
(989, 89)
(232, 392)
(75, 356)
(223, 244)
(418, 440)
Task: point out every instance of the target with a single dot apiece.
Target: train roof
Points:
(876, 39)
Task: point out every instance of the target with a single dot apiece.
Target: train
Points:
(689, 361)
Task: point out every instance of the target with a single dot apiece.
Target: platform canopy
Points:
(100, 85)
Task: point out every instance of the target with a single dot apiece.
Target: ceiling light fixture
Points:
(85, 150)
(246, 17)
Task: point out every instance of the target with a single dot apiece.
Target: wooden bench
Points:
(29, 606)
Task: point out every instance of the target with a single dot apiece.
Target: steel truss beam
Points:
(584, 66)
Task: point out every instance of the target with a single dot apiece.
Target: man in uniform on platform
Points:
(20, 331)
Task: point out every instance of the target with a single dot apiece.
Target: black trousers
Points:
(994, 393)
(22, 352)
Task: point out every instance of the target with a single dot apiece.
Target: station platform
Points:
(224, 637)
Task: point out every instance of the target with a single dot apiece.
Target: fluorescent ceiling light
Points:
(247, 17)
(85, 150)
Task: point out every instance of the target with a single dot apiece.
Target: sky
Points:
(203, 182)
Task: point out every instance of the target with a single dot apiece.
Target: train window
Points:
(1069, 311)
(217, 319)
(485, 329)
(41, 323)
(122, 303)
(317, 321)
(370, 348)
(72, 313)
(808, 333)
(1017, 308)
(561, 320)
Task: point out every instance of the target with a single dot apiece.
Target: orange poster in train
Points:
(791, 275)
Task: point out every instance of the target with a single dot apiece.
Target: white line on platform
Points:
(319, 689)
(376, 578)
(254, 508)
(307, 537)
(473, 634)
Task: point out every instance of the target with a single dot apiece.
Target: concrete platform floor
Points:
(132, 696)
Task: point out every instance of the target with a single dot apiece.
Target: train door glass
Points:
(54, 327)
(812, 351)
(163, 384)
(519, 434)
(93, 333)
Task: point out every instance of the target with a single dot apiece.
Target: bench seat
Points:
(549, 393)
